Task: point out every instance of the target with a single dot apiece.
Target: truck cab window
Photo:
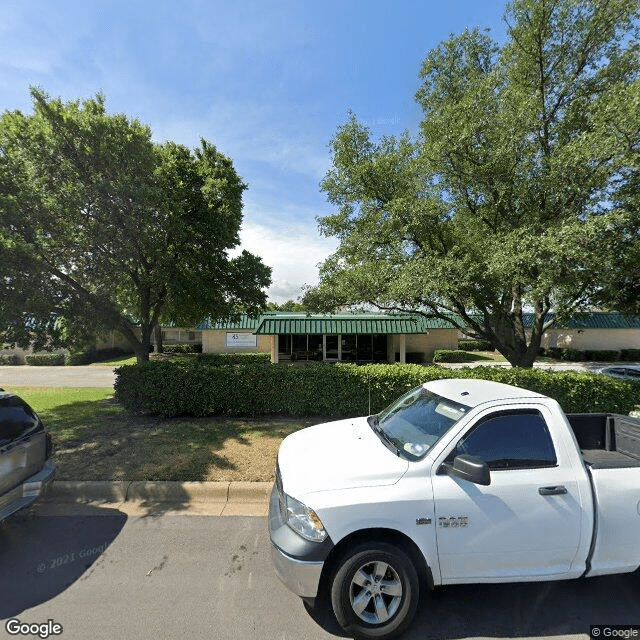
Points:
(510, 440)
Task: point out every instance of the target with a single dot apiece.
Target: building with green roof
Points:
(338, 337)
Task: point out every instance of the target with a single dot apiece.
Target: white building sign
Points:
(241, 340)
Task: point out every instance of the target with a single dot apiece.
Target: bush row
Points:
(475, 345)
(593, 355)
(196, 387)
(88, 356)
(9, 359)
(182, 348)
(452, 355)
(222, 359)
(45, 359)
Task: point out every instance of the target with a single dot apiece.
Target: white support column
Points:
(274, 349)
(403, 349)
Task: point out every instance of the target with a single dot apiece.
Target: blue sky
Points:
(267, 82)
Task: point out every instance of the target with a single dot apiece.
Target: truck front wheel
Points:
(375, 591)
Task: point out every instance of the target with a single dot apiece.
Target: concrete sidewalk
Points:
(166, 498)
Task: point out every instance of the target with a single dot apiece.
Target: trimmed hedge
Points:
(182, 348)
(573, 355)
(577, 355)
(197, 388)
(475, 345)
(9, 359)
(45, 359)
(452, 355)
(223, 359)
(630, 355)
(601, 355)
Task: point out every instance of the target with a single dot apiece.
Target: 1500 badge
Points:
(453, 521)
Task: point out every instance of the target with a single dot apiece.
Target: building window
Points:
(331, 350)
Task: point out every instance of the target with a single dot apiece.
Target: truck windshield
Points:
(416, 421)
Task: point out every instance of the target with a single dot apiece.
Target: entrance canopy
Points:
(347, 323)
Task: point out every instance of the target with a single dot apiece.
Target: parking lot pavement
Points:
(84, 376)
(103, 574)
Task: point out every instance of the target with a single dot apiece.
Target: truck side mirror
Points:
(470, 468)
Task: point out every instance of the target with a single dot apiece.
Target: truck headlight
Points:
(304, 521)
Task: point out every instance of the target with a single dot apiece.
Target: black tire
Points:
(367, 604)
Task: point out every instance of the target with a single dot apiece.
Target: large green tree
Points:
(101, 228)
(502, 204)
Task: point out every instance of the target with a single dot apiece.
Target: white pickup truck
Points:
(459, 481)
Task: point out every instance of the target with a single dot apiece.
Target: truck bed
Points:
(607, 440)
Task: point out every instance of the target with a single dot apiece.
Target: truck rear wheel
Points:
(375, 591)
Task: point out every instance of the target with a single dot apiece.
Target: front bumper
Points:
(299, 576)
(297, 562)
(27, 492)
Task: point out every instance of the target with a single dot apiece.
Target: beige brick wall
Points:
(592, 339)
(214, 341)
(425, 343)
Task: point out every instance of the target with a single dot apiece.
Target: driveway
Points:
(84, 376)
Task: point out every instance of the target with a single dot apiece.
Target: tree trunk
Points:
(144, 344)
(157, 333)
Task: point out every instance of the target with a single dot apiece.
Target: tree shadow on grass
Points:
(100, 440)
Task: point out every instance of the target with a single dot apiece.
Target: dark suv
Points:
(25, 449)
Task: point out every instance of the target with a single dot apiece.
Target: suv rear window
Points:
(17, 418)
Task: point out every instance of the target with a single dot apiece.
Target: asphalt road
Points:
(102, 574)
(83, 376)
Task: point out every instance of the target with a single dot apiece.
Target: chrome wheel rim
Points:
(375, 592)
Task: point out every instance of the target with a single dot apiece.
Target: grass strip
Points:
(96, 439)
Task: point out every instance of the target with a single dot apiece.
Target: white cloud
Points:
(293, 252)
(250, 131)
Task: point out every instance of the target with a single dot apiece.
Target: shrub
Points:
(452, 355)
(573, 355)
(78, 358)
(630, 355)
(45, 359)
(601, 355)
(554, 352)
(88, 356)
(197, 387)
(222, 359)
(182, 348)
(475, 345)
(9, 359)
(100, 355)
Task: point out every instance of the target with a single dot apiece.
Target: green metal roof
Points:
(242, 322)
(347, 323)
(593, 320)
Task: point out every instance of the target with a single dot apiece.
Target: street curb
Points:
(224, 498)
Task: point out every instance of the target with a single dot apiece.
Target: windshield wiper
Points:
(380, 432)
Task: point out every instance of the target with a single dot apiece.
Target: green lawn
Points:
(96, 439)
(116, 362)
(44, 399)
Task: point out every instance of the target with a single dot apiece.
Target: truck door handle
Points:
(552, 491)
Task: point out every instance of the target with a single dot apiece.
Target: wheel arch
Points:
(380, 534)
